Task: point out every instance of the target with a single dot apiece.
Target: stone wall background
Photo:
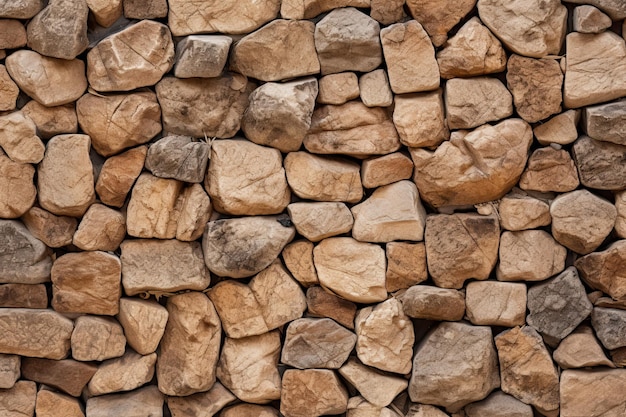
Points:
(312, 207)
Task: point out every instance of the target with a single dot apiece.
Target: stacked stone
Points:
(312, 207)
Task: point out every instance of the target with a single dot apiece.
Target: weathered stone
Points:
(499, 404)
(23, 296)
(526, 369)
(312, 393)
(144, 402)
(607, 400)
(351, 269)
(360, 407)
(118, 174)
(560, 129)
(606, 122)
(317, 221)
(178, 157)
(105, 12)
(614, 8)
(21, 9)
(248, 367)
(588, 19)
(375, 386)
(65, 181)
(279, 115)
(162, 265)
(620, 206)
(338, 88)
(18, 190)
(19, 140)
(9, 370)
(242, 247)
(306, 9)
(386, 169)
(323, 178)
(492, 303)
(238, 308)
(50, 81)
(145, 9)
(438, 17)
(280, 50)
(461, 246)
(454, 365)
(8, 88)
(190, 346)
(581, 220)
(101, 228)
(532, 28)
(54, 404)
(97, 339)
(432, 303)
(123, 374)
(204, 107)
(51, 121)
(529, 255)
(406, 265)
(519, 211)
(321, 303)
(66, 375)
(600, 164)
(481, 166)
(420, 120)
(86, 282)
(374, 89)
(474, 50)
(550, 169)
(249, 410)
(195, 211)
(298, 258)
(424, 410)
(387, 11)
(137, 56)
(119, 121)
(410, 58)
(605, 271)
(581, 349)
(23, 258)
(202, 404)
(476, 101)
(19, 401)
(610, 326)
(143, 322)
(201, 56)
(385, 337)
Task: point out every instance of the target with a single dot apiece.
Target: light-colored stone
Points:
(360, 407)
(520, 211)
(406, 265)
(118, 174)
(190, 346)
(338, 88)
(620, 206)
(51, 121)
(410, 58)
(101, 228)
(438, 17)
(17, 187)
(479, 167)
(9, 370)
(476, 101)
(312, 393)
(8, 88)
(588, 19)
(202, 404)
(306, 9)
(143, 322)
(54, 404)
(201, 56)
(317, 221)
(432, 303)
(105, 12)
(420, 119)
(298, 258)
(23, 258)
(499, 404)
(424, 410)
(600, 164)
(195, 211)
(374, 89)
(492, 303)
(97, 339)
(321, 303)
(386, 169)
(607, 387)
(123, 374)
(581, 349)
(178, 157)
(238, 308)
(606, 122)
(23, 296)
(548, 170)
(387, 11)
(375, 386)
(144, 402)
(19, 401)
(21, 9)
(561, 129)
(351, 269)
(610, 326)
(249, 410)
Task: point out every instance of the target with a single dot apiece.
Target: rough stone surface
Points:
(338, 88)
(438, 17)
(605, 271)
(202, 404)
(317, 221)
(24, 259)
(238, 308)
(424, 410)
(105, 12)
(420, 119)
(387, 11)
(560, 129)
(146, 401)
(306, 9)
(97, 339)
(19, 140)
(51, 121)
(143, 322)
(66, 375)
(178, 157)
(9, 370)
(432, 303)
(118, 174)
(620, 206)
(476, 101)
(312, 392)
(375, 386)
(18, 190)
(374, 89)
(588, 19)
(123, 374)
(249, 410)
(406, 265)
(493, 303)
(23, 296)
(20, 400)
(614, 8)
(610, 326)
(321, 303)
(581, 349)
(548, 170)
(606, 122)
(600, 164)
(21, 9)
(9, 89)
(101, 228)
(201, 56)
(499, 404)
(386, 169)
(360, 407)
(606, 401)
(298, 258)
(195, 211)
(520, 211)
(142, 9)
(53, 404)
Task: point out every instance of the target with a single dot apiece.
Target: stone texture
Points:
(178, 157)
(410, 58)
(374, 89)
(51, 121)
(142, 9)
(144, 402)
(97, 339)
(138, 56)
(476, 101)
(238, 308)
(18, 190)
(432, 303)
(249, 410)
(321, 303)
(101, 228)
(481, 166)
(351, 269)
(605, 271)
(123, 374)
(610, 326)
(282, 49)
(338, 88)
(620, 206)
(201, 56)
(19, 401)
(242, 247)
(492, 303)
(24, 259)
(606, 122)
(162, 265)
(195, 211)
(143, 322)
(66, 375)
(455, 364)
(438, 17)
(375, 386)
(202, 404)
(23, 296)
(360, 407)
(312, 393)
(386, 169)
(190, 346)
(9, 89)
(406, 265)
(614, 8)
(306, 9)
(424, 410)
(105, 12)
(581, 349)
(53, 404)
(600, 164)
(420, 120)
(9, 370)
(317, 221)
(248, 367)
(499, 404)
(387, 11)
(461, 246)
(548, 170)
(279, 115)
(520, 211)
(50, 81)
(298, 258)
(588, 19)
(119, 121)
(118, 174)
(560, 129)
(607, 385)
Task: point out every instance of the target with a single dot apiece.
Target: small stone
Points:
(476, 101)
(492, 303)
(560, 129)
(298, 258)
(9, 89)
(201, 56)
(105, 12)
(312, 393)
(374, 89)
(50, 81)
(119, 121)
(338, 88)
(51, 121)
(282, 49)
(406, 265)
(195, 211)
(410, 58)
(97, 339)
(23, 258)
(614, 8)
(606, 122)
(499, 404)
(101, 228)
(620, 206)
(461, 246)
(53, 404)
(9, 370)
(610, 326)
(18, 190)
(143, 322)
(66, 375)
(323, 178)
(23, 296)
(21, 9)
(588, 19)
(420, 119)
(360, 407)
(351, 269)
(473, 51)
(202, 404)
(385, 337)
(238, 308)
(581, 220)
(317, 221)
(387, 11)
(321, 303)
(148, 53)
(19, 140)
(423, 410)
(306, 9)
(581, 349)
(438, 17)
(386, 169)
(600, 164)
(20, 400)
(550, 169)
(123, 374)
(608, 385)
(118, 174)
(432, 303)
(203, 107)
(178, 157)
(248, 367)
(145, 9)
(143, 402)
(605, 271)
(190, 346)
(375, 386)
(520, 211)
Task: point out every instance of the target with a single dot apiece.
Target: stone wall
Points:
(365, 208)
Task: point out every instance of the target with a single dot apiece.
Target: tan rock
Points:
(97, 339)
(351, 269)
(12, 34)
(21, 9)
(606, 122)
(282, 49)
(238, 308)
(432, 303)
(23, 296)
(620, 206)
(600, 164)
(420, 119)
(387, 11)
(317, 221)
(24, 259)
(51, 121)
(145, 9)
(298, 258)
(481, 166)
(476, 101)
(424, 410)
(375, 386)
(560, 129)
(9, 370)
(613, 8)
(249, 410)
(146, 401)
(338, 88)
(137, 56)
(143, 322)
(9, 89)
(123, 374)
(312, 393)
(118, 174)
(201, 56)
(360, 407)
(20, 400)
(499, 404)
(439, 17)
(105, 12)
(607, 401)
(581, 349)
(119, 121)
(321, 303)
(248, 367)
(54, 404)
(491, 303)
(101, 228)
(50, 81)
(406, 265)
(306, 9)
(19, 140)
(66, 375)
(386, 169)
(520, 211)
(410, 58)
(474, 50)
(374, 89)
(202, 404)
(605, 271)
(588, 19)
(18, 188)
(550, 169)
(195, 211)
(323, 178)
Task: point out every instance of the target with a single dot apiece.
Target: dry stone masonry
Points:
(299, 208)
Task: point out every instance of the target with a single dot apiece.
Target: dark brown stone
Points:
(321, 303)
(67, 375)
(23, 296)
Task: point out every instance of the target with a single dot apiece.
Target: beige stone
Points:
(321, 303)
(195, 211)
(101, 228)
(614, 8)
(410, 58)
(607, 387)
(66, 375)
(138, 56)
(21, 9)
(146, 401)
(492, 303)
(145, 9)
(51, 121)
(23, 258)
(387, 11)
(97, 339)
(520, 211)
(143, 322)
(605, 271)
(201, 56)
(560, 129)
(338, 88)
(9, 370)
(606, 122)
(12, 34)
(53, 404)
(351, 269)
(202, 404)
(50, 81)
(20, 400)
(406, 265)
(249, 410)
(312, 393)
(420, 119)
(298, 258)
(23, 296)
(19, 140)
(588, 19)
(432, 303)
(119, 121)
(386, 169)
(306, 9)
(248, 367)
(375, 386)
(479, 167)
(18, 189)
(360, 407)
(317, 221)
(374, 89)
(550, 169)
(620, 206)
(581, 349)
(118, 174)
(476, 101)
(123, 374)
(499, 404)
(600, 164)
(438, 17)
(424, 410)
(105, 12)
(8, 88)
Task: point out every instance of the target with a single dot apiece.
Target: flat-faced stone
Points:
(105, 12)
(21, 9)
(202, 404)
(24, 259)
(195, 211)
(306, 9)
(589, 19)
(520, 211)
(178, 157)
(607, 399)
(145, 9)
(338, 88)
(66, 375)
(144, 402)
(317, 221)
(321, 303)
(606, 122)
(420, 119)
(23, 296)
(610, 326)
(374, 89)
(499, 404)
(560, 129)
(581, 349)
(118, 174)
(9, 89)
(360, 407)
(249, 410)
(97, 339)
(605, 271)
(51, 121)
(375, 386)
(123, 374)
(475, 101)
(202, 56)
(491, 303)
(432, 303)
(143, 322)
(387, 11)
(18, 188)
(312, 393)
(101, 228)
(9, 370)
(600, 164)
(386, 169)
(298, 258)
(54, 404)
(20, 400)
(238, 308)
(406, 265)
(548, 170)
(438, 17)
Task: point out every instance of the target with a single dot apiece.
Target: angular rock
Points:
(97, 339)
(520, 211)
(620, 206)
(454, 365)
(20, 400)
(476, 101)
(9, 370)
(101, 228)
(18, 190)
(23, 258)
(492, 303)
(499, 404)
(51, 121)
(338, 88)
(50, 81)
(386, 169)
(312, 393)
(481, 166)
(438, 17)
(248, 367)
(178, 157)
(610, 326)
(420, 119)
(581, 349)
(282, 49)
(279, 114)
(118, 174)
(410, 58)
(23, 296)
(146, 401)
(375, 386)
(238, 308)
(374, 89)
(321, 303)
(195, 211)
(203, 107)
(306, 9)
(298, 258)
(123, 374)
(360, 407)
(53, 404)
(143, 322)
(605, 271)
(600, 164)
(105, 12)
(607, 384)
(317, 221)
(21, 9)
(387, 11)
(548, 170)
(201, 56)
(432, 303)
(353, 270)
(606, 122)
(202, 404)
(119, 121)
(138, 56)
(142, 9)
(66, 375)
(249, 410)
(9, 89)
(406, 265)
(461, 246)
(560, 129)
(588, 19)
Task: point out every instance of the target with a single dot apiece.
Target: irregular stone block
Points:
(101, 228)
(23, 258)
(298, 258)
(614, 8)
(321, 303)
(145, 9)
(386, 169)
(476, 101)
(499, 404)
(53, 404)
(202, 404)
(10, 90)
(406, 265)
(201, 56)
(143, 322)
(549, 170)
(23, 296)
(560, 129)
(588, 19)
(9, 370)
(306, 9)
(97, 339)
(580, 350)
(605, 270)
(123, 374)
(387, 11)
(374, 89)
(105, 12)
(118, 174)
(600, 164)
(610, 326)
(520, 211)
(66, 375)
(438, 17)
(18, 138)
(317, 221)
(575, 398)
(492, 303)
(375, 386)
(178, 157)
(432, 303)
(20, 400)
(51, 121)
(146, 401)
(420, 119)
(18, 191)
(249, 410)
(195, 211)
(606, 122)
(312, 392)
(338, 88)
(21, 9)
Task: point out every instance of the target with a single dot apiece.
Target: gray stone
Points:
(601, 165)
(606, 122)
(610, 326)
(9, 370)
(432, 303)
(23, 258)
(201, 56)
(178, 157)
(588, 19)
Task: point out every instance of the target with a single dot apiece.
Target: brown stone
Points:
(145, 9)
(53, 404)
(20, 400)
(143, 322)
(387, 11)
(620, 206)
(66, 375)
(550, 169)
(338, 88)
(475, 101)
(375, 386)
(298, 258)
(520, 211)
(195, 211)
(606, 122)
(21, 9)
(105, 12)
(406, 265)
(581, 349)
(491, 303)
(8, 88)
(499, 404)
(317, 221)
(321, 303)
(9, 370)
(23, 258)
(51, 121)
(23, 296)
(600, 164)
(202, 404)
(249, 410)
(360, 407)
(432, 303)
(386, 169)
(312, 393)
(605, 270)
(97, 339)
(178, 157)
(374, 89)
(238, 308)
(420, 119)
(118, 174)
(560, 129)
(101, 228)
(123, 374)
(201, 56)
(18, 188)
(607, 399)
(424, 410)
(588, 19)
(12, 34)
(18, 138)
(438, 17)
(306, 9)
(143, 402)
